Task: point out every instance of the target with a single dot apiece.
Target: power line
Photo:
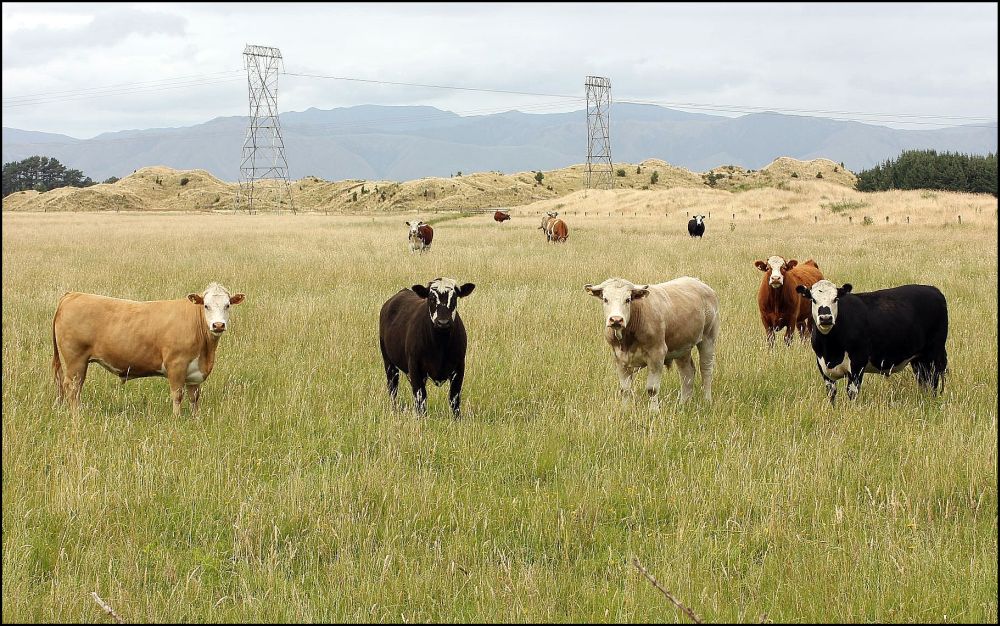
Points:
(119, 86)
(480, 89)
(123, 92)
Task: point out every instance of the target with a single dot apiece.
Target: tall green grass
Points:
(298, 494)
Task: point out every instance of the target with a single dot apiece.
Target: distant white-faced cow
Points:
(501, 216)
(558, 231)
(696, 226)
(878, 332)
(655, 325)
(421, 235)
(547, 219)
(779, 304)
(172, 338)
(422, 335)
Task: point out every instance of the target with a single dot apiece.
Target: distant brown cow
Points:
(558, 231)
(176, 339)
(501, 216)
(547, 220)
(779, 304)
(421, 236)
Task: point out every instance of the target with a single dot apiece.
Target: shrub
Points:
(185, 181)
(819, 174)
(621, 173)
(354, 197)
(539, 176)
(655, 177)
(795, 174)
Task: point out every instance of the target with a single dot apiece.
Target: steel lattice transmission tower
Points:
(599, 170)
(263, 148)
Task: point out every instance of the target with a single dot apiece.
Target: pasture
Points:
(298, 494)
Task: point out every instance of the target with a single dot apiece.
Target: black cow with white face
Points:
(878, 332)
(422, 335)
(696, 226)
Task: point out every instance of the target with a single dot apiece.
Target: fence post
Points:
(850, 220)
(959, 219)
(907, 219)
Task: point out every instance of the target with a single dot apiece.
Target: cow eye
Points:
(605, 300)
(627, 300)
(227, 306)
(206, 306)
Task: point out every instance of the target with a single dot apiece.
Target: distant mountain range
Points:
(410, 142)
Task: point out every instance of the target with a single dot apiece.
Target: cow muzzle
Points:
(218, 328)
(616, 321)
(824, 323)
(775, 283)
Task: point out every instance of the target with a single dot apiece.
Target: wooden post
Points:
(959, 219)
(734, 216)
(886, 219)
(907, 219)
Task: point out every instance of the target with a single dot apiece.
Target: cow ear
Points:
(640, 292)
(420, 290)
(193, 297)
(236, 299)
(466, 289)
(594, 291)
(845, 289)
(804, 292)
(790, 264)
(762, 266)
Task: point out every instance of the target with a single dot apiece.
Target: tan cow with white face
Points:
(654, 325)
(176, 339)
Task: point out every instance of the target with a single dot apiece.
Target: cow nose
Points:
(825, 320)
(218, 326)
(615, 320)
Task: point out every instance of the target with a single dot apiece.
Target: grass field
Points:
(298, 494)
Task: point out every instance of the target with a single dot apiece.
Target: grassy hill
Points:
(165, 189)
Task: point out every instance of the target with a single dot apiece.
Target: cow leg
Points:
(176, 375)
(685, 365)
(57, 374)
(653, 382)
(706, 362)
(831, 384)
(455, 393)
(391, 374)
(418, 382)
(789, 333)
(72, 379)
(624, 382)
(194, 395)
(854, 383)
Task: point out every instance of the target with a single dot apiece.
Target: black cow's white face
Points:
(617, 296)
(216, 302)
(824, 296)
(698, 219)
(442, 296)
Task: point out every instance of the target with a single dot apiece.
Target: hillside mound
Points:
(164, 189)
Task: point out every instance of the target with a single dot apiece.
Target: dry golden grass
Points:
(299, 495)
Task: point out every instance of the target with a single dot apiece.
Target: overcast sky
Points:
(167, 64)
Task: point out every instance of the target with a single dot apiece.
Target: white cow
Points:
(655, 325)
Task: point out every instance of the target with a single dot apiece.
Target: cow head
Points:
(699, 219)
(777, 267)
(216, 302)
(617, 295)
(824, 296)
(442, 296)
(414, 226)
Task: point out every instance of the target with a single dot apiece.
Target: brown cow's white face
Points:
(215, 303)
(617, 296)
(824, 296)
(413, 227)
(776, 267)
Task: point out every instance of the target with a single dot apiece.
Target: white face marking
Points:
(216, 308)
(836, 372)
(698, 218)
(824, 295)
(443, 295)
(194, 375)
(775, 279)
(616, 296)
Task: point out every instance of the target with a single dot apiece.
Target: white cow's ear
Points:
(236, 299)
(594, 291)
(193, 297)
(640, 292)
(845, 289)
(804, 292)
(420, 290)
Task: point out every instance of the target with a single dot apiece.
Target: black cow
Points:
(421, 333)
(696, 226)
(878, 332)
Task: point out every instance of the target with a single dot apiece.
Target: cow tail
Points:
(56, 364)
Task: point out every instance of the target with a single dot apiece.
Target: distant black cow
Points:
(421, 333)
(878, 332)
(696, 226)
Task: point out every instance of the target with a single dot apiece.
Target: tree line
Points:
(42, 174)
(926, 169)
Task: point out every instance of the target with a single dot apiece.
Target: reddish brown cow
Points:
(558, 231)
(777, 300)
(176, 339)
(421, 236)
(501, 216)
